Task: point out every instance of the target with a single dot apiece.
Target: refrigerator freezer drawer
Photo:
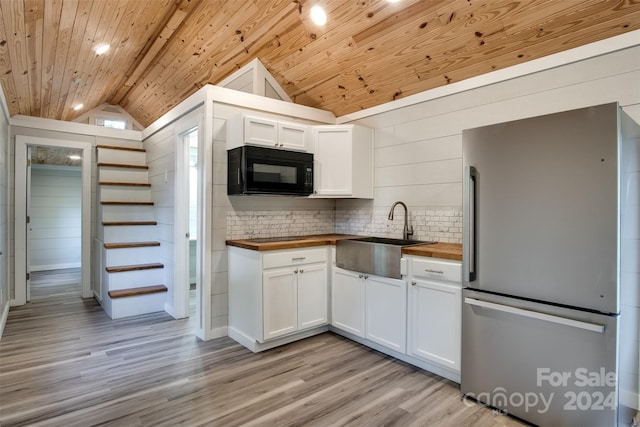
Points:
(548, 365)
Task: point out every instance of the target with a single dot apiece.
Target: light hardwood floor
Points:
(63, 362)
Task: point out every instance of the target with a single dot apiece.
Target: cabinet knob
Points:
(360, 276)
(301, 271)
(295, 271)
(366, 277)
(276, 144)
(413, 283)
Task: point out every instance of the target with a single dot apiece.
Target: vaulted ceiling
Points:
(369, 52)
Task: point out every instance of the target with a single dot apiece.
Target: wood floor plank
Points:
(64, 362)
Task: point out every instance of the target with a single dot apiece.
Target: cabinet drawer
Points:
(293, 257)
(436, 269)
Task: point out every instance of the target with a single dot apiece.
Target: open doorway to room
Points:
(54, 230)
(52, 217)
(187, 279)
(192, 143)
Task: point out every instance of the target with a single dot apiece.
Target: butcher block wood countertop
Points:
(452, 251)
(291, 243)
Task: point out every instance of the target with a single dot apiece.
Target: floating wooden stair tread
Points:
(121, 165)
(135, 267)
(132, 292)
(126, 245)
(118, 223)
(115, 147)
(127, 184)
(126, 203)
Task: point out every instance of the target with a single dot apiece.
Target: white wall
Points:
(418, 149)
(56, 213)
(4, 212)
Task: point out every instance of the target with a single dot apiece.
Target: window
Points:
(113, 123)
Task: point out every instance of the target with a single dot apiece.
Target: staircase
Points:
(131, 281)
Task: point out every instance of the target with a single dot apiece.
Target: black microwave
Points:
(258, 170)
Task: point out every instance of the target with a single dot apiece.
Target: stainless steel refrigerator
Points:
(542, 229)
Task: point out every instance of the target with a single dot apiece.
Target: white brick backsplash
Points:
(259, 224)
(442, 225)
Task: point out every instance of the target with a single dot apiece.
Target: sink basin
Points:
(389, 241)
(373, 255)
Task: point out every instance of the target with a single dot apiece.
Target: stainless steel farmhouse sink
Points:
(373, 255)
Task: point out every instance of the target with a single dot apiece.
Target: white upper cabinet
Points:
(266, 132)
(293, 136)
(343, 161)
(343, 157)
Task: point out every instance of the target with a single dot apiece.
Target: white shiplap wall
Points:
(418, 149)
(161, 159)
(56, 211)
(4, 211)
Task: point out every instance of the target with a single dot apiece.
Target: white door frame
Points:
(22, 141)
(181, 226)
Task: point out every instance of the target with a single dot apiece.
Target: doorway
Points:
(79, 251)
(188, 242)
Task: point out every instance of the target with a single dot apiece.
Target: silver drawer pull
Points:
(302, 258)
(429, 270)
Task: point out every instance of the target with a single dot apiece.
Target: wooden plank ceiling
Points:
(370, 51)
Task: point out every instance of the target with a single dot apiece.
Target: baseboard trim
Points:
(3, 317)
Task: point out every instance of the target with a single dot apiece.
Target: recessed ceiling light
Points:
(102, 49)
(78, 107)
(318, 15)
(393, 1)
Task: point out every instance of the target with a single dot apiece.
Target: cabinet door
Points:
(292, 136)
(333, 161)
(260, 131)
(434, 322)
(280, 302)
(312, 295)
(386, 312)
(347, 302)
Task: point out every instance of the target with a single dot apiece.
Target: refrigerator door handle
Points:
(594, 327)
(469, 264)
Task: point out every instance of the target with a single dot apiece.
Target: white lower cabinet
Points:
(370, 307)
(386, 312)
(277, 294)
(347, 301)
(434, 318)
(294, 298)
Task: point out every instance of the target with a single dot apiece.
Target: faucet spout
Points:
(407, 230)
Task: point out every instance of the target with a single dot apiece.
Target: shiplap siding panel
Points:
(415, 142)
(160, 155)
(4, 212)
(56, 196)
(418, 151)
